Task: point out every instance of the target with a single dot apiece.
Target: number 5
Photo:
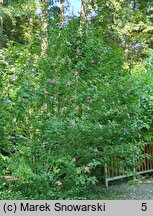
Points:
(144, 207)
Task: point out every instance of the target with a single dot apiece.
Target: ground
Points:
(137, 189)
(141, 190)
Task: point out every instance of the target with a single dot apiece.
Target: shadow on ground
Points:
(139, 189)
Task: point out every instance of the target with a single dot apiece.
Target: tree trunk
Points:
(1, 26)
(61, 14)
(82, 16)
(44, 43)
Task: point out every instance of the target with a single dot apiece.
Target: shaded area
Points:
(139, 189)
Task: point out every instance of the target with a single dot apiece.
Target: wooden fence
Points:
(116, 170)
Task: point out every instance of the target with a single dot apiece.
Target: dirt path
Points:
(141, 190)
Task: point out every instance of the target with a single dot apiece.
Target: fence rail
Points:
(116, 170)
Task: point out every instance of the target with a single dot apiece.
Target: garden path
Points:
(140, 190)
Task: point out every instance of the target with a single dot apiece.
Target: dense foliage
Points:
(66, 108)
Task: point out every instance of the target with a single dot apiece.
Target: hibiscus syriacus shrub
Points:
(68, 112)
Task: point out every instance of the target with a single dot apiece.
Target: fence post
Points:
(134, 168)
(106, 181)
(105, 170)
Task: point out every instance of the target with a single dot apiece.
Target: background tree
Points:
(61, 13)
(82, 16)
(128, 24)
(1, 24)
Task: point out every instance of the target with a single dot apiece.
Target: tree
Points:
(61, 13)
(1, 25)
(44, 27)
(128, 24)
(82, 16)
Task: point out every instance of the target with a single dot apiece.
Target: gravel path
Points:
(141, 190)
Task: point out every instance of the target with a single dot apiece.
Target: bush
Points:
(66, 113)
